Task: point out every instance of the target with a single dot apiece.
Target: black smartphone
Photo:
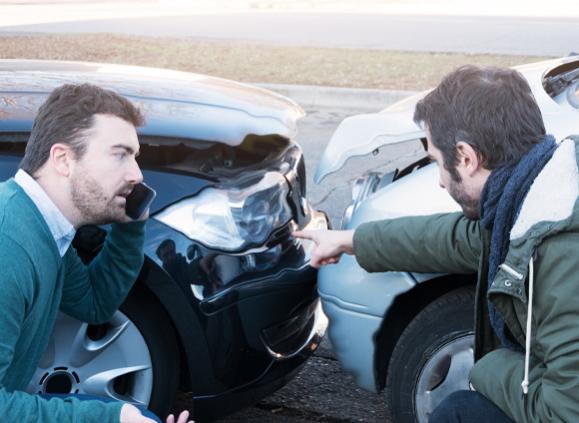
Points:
(139, 200)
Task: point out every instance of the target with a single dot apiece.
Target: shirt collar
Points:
(62, 230)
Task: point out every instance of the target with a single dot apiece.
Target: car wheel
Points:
(432, 358)
(161, 341)
(133, 357)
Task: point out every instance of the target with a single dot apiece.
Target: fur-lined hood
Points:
(553, 196)
(550, 207)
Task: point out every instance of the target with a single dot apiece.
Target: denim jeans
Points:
(468, 407)
(82, 397)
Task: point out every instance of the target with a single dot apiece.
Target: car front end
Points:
(372, 315)
(244, 281)
(225, 307)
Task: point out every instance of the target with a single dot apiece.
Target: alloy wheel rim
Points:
(444, 372)
(110, 360)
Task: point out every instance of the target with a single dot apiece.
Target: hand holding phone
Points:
(139, 200)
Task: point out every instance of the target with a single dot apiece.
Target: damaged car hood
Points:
(363, 134)
(176, 104)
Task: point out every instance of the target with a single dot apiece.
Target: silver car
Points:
(406, 333)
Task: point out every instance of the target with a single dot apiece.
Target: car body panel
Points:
(219, 314)
(361, 135)
(363, 327)
(177, 104)
(432, 198)
(353, 298)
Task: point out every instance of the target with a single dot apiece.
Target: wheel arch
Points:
(196, 363)
(403, 309)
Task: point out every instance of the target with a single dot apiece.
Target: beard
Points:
(469, 204)
(93, 203)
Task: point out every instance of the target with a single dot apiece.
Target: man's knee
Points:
(449, 410)
(467, 407)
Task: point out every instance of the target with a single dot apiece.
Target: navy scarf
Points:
(501, 201)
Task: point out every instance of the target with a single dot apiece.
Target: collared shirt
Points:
(61, 229)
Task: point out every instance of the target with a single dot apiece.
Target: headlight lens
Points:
(231, 219)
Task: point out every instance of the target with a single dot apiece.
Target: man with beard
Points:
(78, 168)
(519, 230)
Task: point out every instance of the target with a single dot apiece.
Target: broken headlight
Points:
(232, 219)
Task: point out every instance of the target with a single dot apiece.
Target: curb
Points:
(311, 96)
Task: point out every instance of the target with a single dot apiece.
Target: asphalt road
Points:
(321, 392)
(467, 34)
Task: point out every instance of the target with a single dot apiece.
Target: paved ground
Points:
(322, 392)
(416, 28)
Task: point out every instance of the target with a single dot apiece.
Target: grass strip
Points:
(338, 67)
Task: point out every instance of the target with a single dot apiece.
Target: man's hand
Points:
(127, 219)
(183, 418)
(330, 245)
(131, 414)
(144, 216)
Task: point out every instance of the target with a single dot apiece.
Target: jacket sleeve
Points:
(17, 406)
(448, 243)
(554, 380)
(93, 293)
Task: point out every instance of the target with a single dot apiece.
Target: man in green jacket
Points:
(519, 230)
(78, 169)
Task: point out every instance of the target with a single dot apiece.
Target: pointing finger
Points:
(183, 417)
(305, 235)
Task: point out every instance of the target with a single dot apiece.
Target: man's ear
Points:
(61, 158)
(468, 158)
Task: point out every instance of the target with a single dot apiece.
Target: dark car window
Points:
(12, 147)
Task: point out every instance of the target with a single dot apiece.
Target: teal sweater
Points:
(35, 282)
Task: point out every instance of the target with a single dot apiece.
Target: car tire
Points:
(432, 357)
(154, 325)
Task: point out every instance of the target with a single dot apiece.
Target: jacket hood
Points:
(550, 207)
(552, 199)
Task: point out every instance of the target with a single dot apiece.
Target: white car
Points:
(412, 334)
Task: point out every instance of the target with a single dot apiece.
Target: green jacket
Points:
(543, 255)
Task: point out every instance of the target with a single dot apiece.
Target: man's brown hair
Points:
(492, 109)
(65, 117)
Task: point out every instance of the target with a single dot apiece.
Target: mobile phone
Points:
(139, 200)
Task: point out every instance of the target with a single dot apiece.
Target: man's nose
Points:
(134, 174)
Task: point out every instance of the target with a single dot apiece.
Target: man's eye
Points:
(121, 155)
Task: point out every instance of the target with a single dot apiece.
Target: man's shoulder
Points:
(10, 207)
(19, 219)
(561, 243)
(10, 191)
(22, 246)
